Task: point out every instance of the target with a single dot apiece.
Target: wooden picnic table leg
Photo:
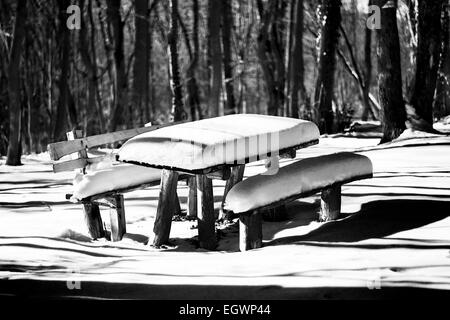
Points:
(237, 174)
(166, 207)
(192, 198)
(93, 220)
(117, 218)
(205, 213)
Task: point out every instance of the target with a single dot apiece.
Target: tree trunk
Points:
(14, 145)
(270, 53)
(390, 73)
(227, 25)
(330, 13)
(60, 125)
(427, 64)
(442, 103)
(297, 64)
(141, 61)
(93, 111)
(368, 72)
(120, 80)
(177, 112)
(193, 95)
(214, 14)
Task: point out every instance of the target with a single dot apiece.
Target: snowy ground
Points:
(395, 236)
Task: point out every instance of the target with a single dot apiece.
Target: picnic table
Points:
(208, 149)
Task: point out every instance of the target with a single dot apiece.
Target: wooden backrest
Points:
(77, 144)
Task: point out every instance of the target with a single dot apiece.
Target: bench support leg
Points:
(237, 174)
(93, 220)
(192, 198)
(177, 205)
(205, 207)
(166, 207)
(117, 217)
(330, 204)
(250, 230)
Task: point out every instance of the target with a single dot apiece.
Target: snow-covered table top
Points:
(208, 143)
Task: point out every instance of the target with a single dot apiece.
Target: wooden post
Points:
(250, 230)
(117, 216)
(237, 174)
(192, 198)
(205, 210)
(91, 211)
(177, 209)
(330, 204)
(93, 220)
(166, 207)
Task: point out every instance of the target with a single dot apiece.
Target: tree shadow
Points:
(376, 219)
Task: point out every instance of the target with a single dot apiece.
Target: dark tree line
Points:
(133, 62)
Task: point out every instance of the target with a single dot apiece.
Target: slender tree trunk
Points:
(297, 90)
(141, 60)
(91, 106)
(214, 14)
(14, 145)
(62, 107)
(330, 12)
(120, 80)
(390, 73)
(227, 25)
(177, 112)
(427, 63)
(442, 103)
(270, 53)
(193, 97)
(368, 72)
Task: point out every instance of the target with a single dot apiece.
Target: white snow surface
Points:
(211, 142)
(300, 177)
(395, 233)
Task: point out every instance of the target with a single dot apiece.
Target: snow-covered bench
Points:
(299, 179)
(102, 182)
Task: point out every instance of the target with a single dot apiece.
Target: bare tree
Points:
(141, 61)
(330, 14)
(227, 25)
(297, 86)
(442, 102)
(14, 145)
(368, 71)
(62, 110)
(215, 51)
(389, 72)
(427, 64)
(193, 95)
(120, 80)
(270, 52)
(177, 111)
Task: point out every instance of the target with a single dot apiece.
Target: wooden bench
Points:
(303, 178)
(103, 186)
